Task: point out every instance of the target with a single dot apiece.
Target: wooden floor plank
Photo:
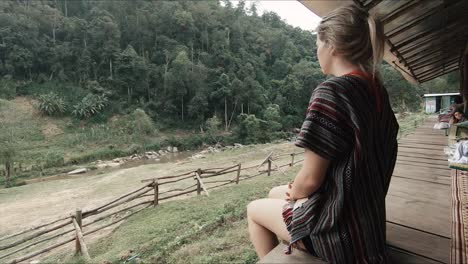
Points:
(420, 205)
(421, 243)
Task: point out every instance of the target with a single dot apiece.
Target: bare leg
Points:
(265, 224)
(278, 192)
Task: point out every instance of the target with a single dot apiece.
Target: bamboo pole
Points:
(219, 174)
(79, 237)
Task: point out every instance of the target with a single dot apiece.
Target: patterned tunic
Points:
(351, 123)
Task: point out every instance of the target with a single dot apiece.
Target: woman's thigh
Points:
(269, 214)
(278, 192)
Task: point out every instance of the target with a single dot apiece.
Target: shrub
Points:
(51, 104)
(90, 105)
(251, 129)
(53, 159)
(7, 88)
(142, 124)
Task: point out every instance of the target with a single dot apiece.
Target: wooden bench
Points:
(406, 245)
(276, 256)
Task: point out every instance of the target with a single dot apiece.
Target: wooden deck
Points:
(418, 203)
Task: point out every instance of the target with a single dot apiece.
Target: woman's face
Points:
(324, 56)
(458, 115)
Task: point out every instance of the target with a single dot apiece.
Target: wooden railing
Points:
(69, 228)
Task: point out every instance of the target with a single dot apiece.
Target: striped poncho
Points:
(351, 123)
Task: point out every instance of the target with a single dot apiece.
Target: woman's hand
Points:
(289, 194)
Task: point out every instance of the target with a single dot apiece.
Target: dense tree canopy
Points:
(181, 61)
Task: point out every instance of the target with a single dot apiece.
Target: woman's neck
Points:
(341, 67)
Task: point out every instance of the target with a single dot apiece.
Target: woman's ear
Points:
(332, 50)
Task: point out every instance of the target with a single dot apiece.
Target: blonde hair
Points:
(355, 35)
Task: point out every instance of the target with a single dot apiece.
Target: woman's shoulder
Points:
(344, 81)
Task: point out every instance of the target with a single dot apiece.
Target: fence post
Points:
(292, 160)
(238, 173)
(198, 182)
(269, 166)
(156, 192)
(78, 217)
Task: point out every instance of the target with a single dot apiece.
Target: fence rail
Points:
(130, 203)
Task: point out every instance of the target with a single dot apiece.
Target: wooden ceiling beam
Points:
(435, 76)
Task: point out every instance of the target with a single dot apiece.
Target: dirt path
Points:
(37, 203)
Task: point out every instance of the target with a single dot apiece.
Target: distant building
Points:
(434, 103)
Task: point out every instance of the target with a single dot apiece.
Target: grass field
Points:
(196, 230)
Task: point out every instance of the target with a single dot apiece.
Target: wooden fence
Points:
(21, 246)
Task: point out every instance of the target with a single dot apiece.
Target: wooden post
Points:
(156, 193)
(269, 166)
(292, 160)
(78, 217)
(238, 174)
(200, 184)
(80, 239)
(198, 172)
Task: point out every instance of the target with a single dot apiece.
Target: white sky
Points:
(293, 12)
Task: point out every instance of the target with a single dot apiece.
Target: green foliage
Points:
(89, 106)
(54, 159)
(142, 124)
(250, 129)
(7, 88)
(51, 104)
(273, 117)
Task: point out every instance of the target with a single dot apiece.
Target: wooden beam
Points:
(405, 8)
(425, 76)
(435, 66)
(431, 47)
(428, 40)
(432, 61)
(435, 70)
(435, 76)
(412, 23)
(429, 32)
(441, 8)
(372, 4)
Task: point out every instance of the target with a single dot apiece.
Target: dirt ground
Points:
(30, 205)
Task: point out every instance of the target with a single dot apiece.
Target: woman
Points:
(457, 118)
(349, 137)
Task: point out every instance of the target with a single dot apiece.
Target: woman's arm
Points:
(310, 177)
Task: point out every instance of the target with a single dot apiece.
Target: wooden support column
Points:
(464, 80)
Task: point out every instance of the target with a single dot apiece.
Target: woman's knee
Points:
(278, 192)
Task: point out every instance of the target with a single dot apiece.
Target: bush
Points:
(7, 88)
(142, 124)
(54, 159)
(51, 104)
(89, 106)
(251, 129)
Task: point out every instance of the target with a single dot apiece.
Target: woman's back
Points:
(346, 218)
